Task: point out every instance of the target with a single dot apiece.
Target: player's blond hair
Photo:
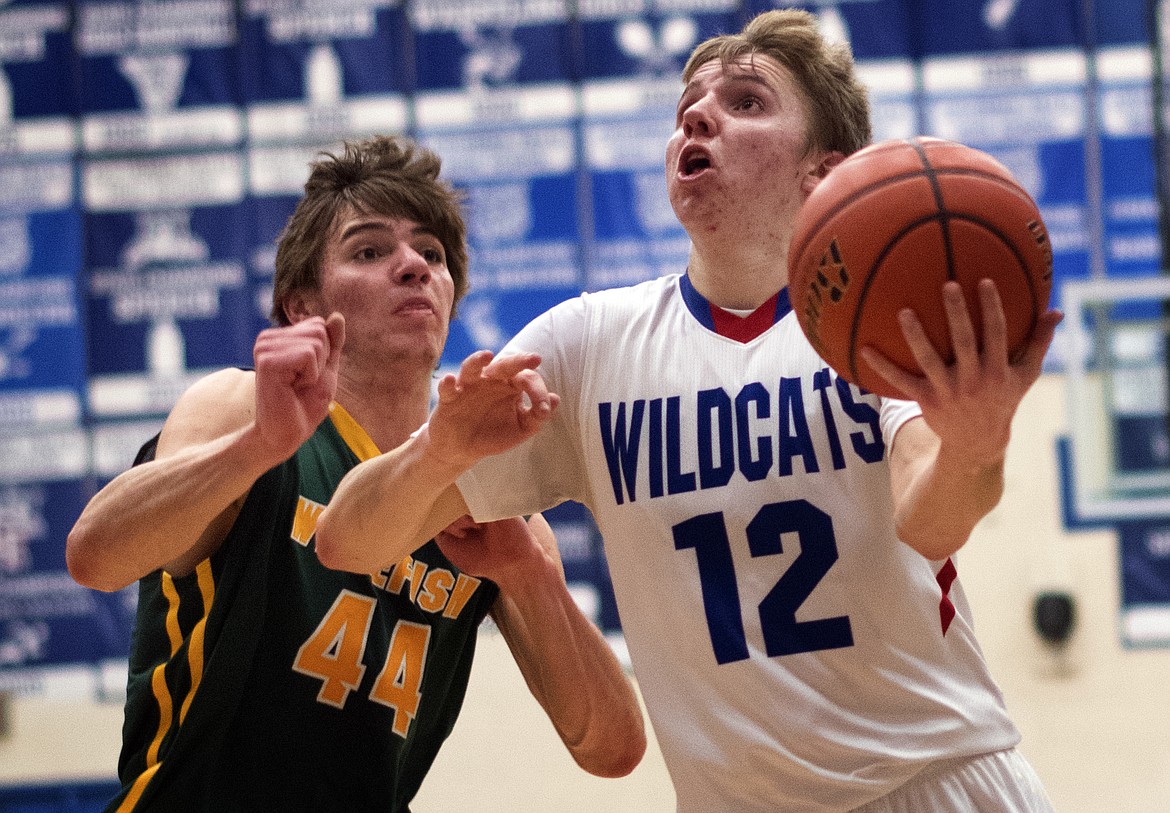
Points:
(838, 104)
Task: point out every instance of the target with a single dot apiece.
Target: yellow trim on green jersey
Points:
(351, 432)
(158, 681)
(195, 648)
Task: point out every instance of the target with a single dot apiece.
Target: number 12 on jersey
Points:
(783, 634)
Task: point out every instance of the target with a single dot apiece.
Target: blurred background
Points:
(151, 150)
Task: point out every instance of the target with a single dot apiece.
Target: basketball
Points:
(887, 227)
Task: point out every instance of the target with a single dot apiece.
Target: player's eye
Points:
(433, 255)
(684, 104)
(367, 253)
(748, 103)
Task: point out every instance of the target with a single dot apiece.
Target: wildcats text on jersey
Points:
(730, 432)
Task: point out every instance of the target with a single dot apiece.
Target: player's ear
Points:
(300, 305)
(820, 169)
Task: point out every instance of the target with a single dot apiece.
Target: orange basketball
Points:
(888, 226)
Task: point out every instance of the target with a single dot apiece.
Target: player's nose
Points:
(698, 119)
(412, 267)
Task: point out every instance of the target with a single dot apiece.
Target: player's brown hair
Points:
(838, 104)
(383, 175)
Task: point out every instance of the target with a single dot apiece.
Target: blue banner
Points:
(321, 71)
(45, 617)
(167, 292)
(157, 74)
(38, 102)
(1145, 583)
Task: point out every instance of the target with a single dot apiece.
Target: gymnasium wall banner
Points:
(151, 151)
(1145, 583)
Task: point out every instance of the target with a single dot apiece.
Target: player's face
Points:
(388, 277)
(739, 154)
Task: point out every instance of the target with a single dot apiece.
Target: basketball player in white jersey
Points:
(781, 543)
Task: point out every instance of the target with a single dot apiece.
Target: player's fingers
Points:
(923, 351)
(472, 366)
(260, 346)
(305, 326)
(994, 322)
(507, 367)
(531, 383)
(289, 354)
(908, 384)
(307, 346)
(316, 348)
(531, 419)
(447, 388)
(962, 331)
(1031, 359)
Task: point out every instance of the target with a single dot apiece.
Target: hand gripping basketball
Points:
(887, 227)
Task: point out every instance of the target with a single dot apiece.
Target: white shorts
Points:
(1000, 782)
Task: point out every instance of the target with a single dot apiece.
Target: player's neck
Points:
(737, 280)
(388, 409)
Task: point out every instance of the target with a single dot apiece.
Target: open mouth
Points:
(694, 161)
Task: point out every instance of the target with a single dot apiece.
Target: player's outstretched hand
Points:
(970, 402)
(489, 406)
(296, 379)
(501, 551)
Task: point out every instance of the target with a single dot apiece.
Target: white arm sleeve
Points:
(894, 414)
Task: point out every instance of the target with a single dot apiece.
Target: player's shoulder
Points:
(224, 387)
(212, 406)
(650, 289)
(641, 296)
(607, 304)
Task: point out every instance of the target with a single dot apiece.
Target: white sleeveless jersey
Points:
(794, 655)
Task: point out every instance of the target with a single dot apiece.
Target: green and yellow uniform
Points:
(264, 681)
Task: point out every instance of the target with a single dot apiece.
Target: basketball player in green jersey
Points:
(259, 679)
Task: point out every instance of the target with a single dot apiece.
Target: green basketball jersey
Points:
(265, 682)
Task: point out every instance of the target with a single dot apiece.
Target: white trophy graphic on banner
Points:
(658, 52)
(164, 276)
(152, 45)
(163, 243)
(21, 521)
(157, 79)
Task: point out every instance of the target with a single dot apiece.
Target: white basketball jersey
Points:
(793, 654)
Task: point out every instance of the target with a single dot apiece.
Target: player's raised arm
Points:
(947, 469)
(390, 505)
(223, 434)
